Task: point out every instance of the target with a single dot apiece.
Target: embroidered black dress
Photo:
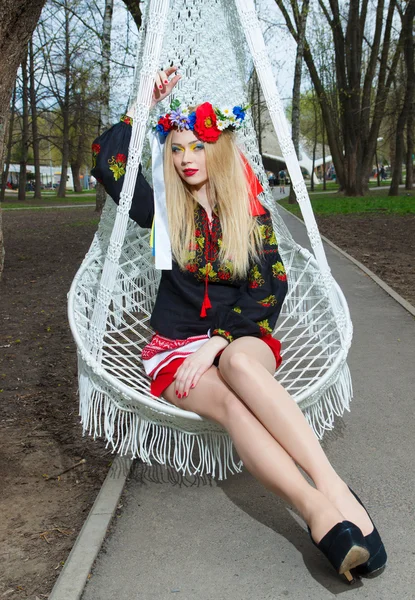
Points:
(237, 307)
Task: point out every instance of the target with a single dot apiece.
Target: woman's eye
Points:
(199, 147)
(174, 149)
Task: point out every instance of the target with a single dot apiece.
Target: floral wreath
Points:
(206, 121)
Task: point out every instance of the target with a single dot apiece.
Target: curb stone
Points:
(74, 575)
(404, 303)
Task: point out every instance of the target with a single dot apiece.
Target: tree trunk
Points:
(407, 19)
(409, 181)
(324, 159)
(301, 21)
(66, 108)
(134, 8)
(35, 133)
(9, 149)
(314, 145)
(105, 86)
(259, 120)
(313, 164)
(76, 171)
(18, 20)
(25, 132)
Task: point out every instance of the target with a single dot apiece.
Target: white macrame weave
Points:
(214, 43)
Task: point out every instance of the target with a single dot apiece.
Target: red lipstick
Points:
(190, 172)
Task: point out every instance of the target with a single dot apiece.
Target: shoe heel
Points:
(378, 557)
(349, 577)
(344, 546)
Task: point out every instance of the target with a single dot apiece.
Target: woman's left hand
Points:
(162, 86)
(195, 365)
(192, 369)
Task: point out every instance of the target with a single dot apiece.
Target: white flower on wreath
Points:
(227, 111)
(221, 125)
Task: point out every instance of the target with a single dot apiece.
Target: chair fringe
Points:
(129, 432)
(331, 403)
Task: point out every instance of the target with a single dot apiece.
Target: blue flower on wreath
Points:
(238, 112)
(161, 131)
(192, 120)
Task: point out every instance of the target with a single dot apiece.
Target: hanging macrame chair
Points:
(111, 299)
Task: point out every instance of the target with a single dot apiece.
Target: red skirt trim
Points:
(166, 375)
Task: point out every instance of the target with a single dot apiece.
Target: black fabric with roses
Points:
(238, 307)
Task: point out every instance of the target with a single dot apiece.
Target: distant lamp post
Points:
(376, 159)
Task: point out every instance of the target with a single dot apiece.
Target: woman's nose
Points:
(186, 157)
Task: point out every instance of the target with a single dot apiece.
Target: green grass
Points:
(332, 186)
(48, 200)
(376, 202)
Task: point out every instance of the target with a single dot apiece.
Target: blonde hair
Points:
(227, 192)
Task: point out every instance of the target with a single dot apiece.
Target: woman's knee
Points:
(242, 355)
(214, 401)
(234, 362)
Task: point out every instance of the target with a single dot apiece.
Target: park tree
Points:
(364, 64)
(405, 119)
(18, 20)
(34, 119)
(259, 107)
(300, 17)
(9, 145)
(24, 149)
(133, 7)
(105, 88)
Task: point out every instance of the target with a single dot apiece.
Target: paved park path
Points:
(233, 540)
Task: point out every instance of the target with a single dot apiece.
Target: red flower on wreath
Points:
(165, 122)
(121, 158)
(205, 124)
(96, 148)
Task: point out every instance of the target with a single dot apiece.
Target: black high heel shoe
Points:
(345, 548)
(378, 556)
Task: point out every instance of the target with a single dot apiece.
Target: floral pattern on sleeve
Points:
(278, 271)
(127, 120)
(96, 149)
(255, 278)
(117, 165)
(222, 333)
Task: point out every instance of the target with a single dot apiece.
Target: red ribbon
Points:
(255, 188)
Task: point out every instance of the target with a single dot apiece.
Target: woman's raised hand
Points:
(163, 86)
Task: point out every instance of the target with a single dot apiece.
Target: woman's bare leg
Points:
(247, 365)
(262, 455)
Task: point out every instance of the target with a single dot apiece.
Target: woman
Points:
(215, 310)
